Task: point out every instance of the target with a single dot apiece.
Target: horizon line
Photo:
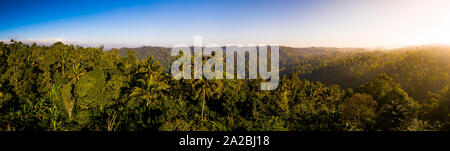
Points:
(48, 42)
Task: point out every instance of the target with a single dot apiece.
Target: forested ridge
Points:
(65, 87)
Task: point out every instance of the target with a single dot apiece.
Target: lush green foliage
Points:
(66, 87)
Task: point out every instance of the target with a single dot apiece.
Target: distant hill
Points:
(289, 56)
(421, 71)
(162, 54)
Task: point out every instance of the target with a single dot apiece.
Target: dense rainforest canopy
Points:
(66, 87)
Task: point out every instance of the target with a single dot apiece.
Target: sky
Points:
(295, 23)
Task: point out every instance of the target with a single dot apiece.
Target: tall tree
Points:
(205, 89)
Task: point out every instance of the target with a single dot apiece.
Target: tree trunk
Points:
(203, 105)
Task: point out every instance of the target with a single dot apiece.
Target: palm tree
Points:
(205, 89)
(151, 85)
(62, 64)
(149, 89)
(77, 73)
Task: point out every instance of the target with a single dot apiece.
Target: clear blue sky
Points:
(299, 23)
